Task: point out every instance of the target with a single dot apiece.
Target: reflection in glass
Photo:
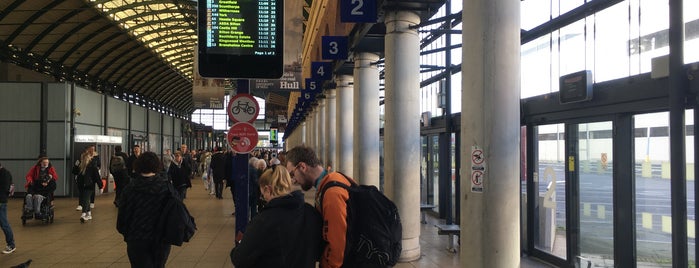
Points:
(596, 191)
(550, 204)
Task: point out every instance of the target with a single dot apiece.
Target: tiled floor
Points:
(68, 243)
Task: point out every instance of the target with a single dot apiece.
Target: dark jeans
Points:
(86, 195)
(218, 188)
(146, 253)
(121, 179)
(5, 224)
(80, 194)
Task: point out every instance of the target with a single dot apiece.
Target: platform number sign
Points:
(358, 11)
(335, 47)
(312, 89)
(321, 70)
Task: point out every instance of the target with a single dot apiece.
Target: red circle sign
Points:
(243, 108)
(247, 135)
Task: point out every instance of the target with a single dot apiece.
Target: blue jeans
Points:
(9, 237)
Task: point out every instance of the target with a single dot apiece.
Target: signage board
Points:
(335, 47)
(241, 39)
(358, 11)
(321, 70)
(243, 108)
(575, 87)
(246, 137)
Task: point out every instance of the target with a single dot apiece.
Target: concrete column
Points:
(345, 126)
(302, 133)
(321, 131)
(402, 126)
(331, 128)
(366, 118)
(490, 121)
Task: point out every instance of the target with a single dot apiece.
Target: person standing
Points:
(119, 171)
(286, 233)
(139, 210)
(237, 179)
(218, 171)
(179, 175)
(5, 182)
(135, 153)
(168, 157)
(306, 170)
(88, 175)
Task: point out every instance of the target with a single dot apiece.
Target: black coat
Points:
(286, 233)
(179, 175)
(140, 205)
(218, 167)
(5, 181)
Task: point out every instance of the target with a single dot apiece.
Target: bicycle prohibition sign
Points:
(243, 108)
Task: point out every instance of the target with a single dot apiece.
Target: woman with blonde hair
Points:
(286, 233)
(87, 169)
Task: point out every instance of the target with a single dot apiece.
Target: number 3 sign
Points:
(358, 11)
(335, 47)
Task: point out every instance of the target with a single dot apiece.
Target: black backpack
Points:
(175, 223)
(374, 230)
(116, 164)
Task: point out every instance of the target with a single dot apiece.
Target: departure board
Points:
(241, 32)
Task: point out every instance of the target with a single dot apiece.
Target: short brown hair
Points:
(303, 154)
(148, 162)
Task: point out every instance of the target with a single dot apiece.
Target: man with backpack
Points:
(117, 166)
(360, 225)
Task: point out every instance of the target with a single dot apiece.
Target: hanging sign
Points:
(358, 11)
(242, 137)
(321, 70)
(477, 169)
(335, 47)
(243, 108)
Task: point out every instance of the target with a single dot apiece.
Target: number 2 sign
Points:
(358, 11)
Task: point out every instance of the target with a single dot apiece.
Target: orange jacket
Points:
(334, 213)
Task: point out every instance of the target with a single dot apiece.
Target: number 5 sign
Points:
(335, 47)
(358, 11)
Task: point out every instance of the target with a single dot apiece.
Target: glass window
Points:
(611, 43)
(536, 67)
(572, 48)
(551, 202)
(691, 31)
(653, 220)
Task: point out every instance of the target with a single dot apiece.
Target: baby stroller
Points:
(45, 188)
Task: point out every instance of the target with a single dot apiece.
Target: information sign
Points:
(335, 47)
(321, 70)
(243, 108)
(358, 11)
(245, 135)
(241, 39)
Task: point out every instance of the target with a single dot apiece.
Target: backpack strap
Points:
(332, 184)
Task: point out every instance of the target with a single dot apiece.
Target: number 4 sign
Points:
(321, 70)
(358, 11)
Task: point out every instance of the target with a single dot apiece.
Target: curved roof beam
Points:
(83, 41)
(70, 33)
(139, 72)
(117, 58)
(10, 8)
(147, 77)
(31, 20)
(129, 70)
(53, 26)
(123, 64)
(106, 53)
(95, 48)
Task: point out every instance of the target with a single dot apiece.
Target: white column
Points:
(402, 126)
(321, 131)
(303, 133)
(366, 118)
(331, 128)
(490, 99)
(345, 125)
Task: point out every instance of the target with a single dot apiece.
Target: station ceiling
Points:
(137, 50)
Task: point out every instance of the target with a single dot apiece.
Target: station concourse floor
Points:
(68, 243)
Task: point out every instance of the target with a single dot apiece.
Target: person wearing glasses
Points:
(307, 171)
(286, 233)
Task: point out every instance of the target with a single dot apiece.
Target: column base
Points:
(411, 250)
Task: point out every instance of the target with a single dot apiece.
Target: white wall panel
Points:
(57, 136)
(138, 118)
(20, 140)
(58, 102)
(89, 103)
(117, 113)
(154, 122)
(20, 101)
